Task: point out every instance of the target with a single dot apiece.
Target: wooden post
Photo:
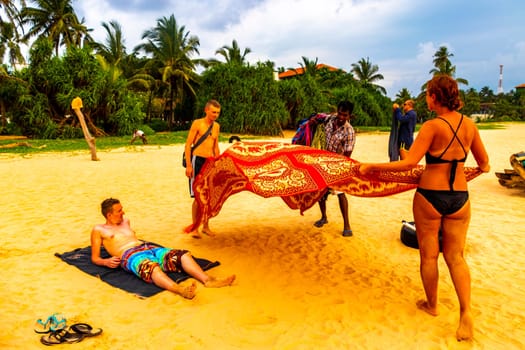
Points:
(76, 104)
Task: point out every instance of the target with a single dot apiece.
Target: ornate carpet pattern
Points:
(300, 175)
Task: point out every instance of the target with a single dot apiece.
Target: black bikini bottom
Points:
(445, 202)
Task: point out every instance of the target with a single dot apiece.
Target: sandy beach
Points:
(297, 287)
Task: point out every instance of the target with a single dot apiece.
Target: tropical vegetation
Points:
(162, 84)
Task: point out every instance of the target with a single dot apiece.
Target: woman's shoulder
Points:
(467, 119)
(449, 118)
(431, 123)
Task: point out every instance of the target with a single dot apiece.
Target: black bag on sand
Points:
(409, 238)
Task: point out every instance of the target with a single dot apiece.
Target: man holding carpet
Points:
(202, 143)
(340, 139)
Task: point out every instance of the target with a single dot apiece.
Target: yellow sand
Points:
(297, 287)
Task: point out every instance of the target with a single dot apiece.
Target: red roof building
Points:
(299, 71)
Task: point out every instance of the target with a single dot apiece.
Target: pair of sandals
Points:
(321, 222)
(56, 331)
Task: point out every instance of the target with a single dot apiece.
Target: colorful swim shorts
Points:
(142, 259)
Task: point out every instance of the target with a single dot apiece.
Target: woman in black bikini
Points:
(441, 200)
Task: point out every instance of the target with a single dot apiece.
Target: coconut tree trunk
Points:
(76, 104)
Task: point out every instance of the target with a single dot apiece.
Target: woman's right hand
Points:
(365, 169)
(485, 168)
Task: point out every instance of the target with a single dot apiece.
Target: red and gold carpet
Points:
(300, 175)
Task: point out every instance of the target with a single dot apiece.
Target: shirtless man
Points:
(196, 156)
(146, 260)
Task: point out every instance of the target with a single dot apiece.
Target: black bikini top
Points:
(430, 159)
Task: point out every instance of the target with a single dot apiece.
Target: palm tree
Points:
(11, 11)
(9, 44)
(441, 60)
(113, 53)
(114, 50)
(403, 95)
(116, 62)
(486, 94)
(171, 48)
(80, 34)
(367, 74)
(232, 54)
(308, 66)
(445, 68)
(10, 30)
(55, 19)
(443, 65)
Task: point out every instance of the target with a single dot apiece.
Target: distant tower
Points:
(500, 85)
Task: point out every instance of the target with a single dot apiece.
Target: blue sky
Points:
(400, 36)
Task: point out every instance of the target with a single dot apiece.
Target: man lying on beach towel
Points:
(146, 260)
(119, 278)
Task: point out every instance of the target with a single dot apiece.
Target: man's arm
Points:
(350, 142)
(402, 118)
(216, 151)
(192, 134)
(96, 243)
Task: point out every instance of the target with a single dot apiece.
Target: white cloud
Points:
(335, 31)
(400, 36)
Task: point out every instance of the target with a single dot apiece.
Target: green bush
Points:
(158, 125)
(70, 132)
(147, 130)
(506, 118)
(13, 129)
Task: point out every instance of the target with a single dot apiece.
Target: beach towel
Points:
(298, 174)
(308, 129)
(303, 135)
(81, 258)
(393, 147)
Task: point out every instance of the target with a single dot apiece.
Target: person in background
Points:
(441, 200)
(139, 134)
(340, 138)
(406, 125)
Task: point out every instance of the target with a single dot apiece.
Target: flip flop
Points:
(42, 327)
(320, 222)
(347, 233)
(60, 337)
(53, 323)
(85, 329)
